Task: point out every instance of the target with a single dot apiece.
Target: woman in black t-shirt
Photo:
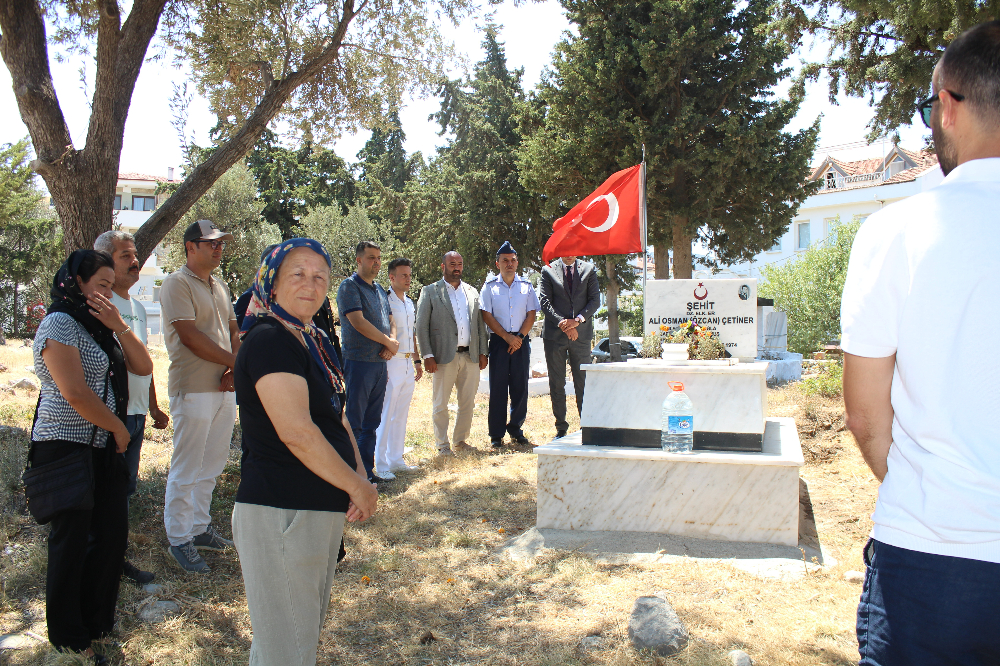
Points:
(302, 475)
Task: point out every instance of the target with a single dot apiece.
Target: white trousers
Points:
(203, 429)
(463, 374)
(288, 559)
(390, 438)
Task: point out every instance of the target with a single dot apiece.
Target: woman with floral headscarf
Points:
(302, 476)
(82, 351)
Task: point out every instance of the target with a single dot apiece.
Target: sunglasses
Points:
(216, 244)
(925, 107)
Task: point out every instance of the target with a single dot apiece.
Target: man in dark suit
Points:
(569, 297)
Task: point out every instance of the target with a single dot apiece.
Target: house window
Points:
(777, 246)
(802, 235)
(118, 202)
(143, 203)
(895, 167)
(831, 224)
(831, 180)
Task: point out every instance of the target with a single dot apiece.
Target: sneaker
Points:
(210, 540)
(405, 468)
(137, 575)
(445, 452)
(385, 476)
(187, 557)
(381, 479)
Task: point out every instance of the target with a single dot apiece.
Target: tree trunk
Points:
(614, 342)
(82, 182)
(661, 261)
(682, 248)
(14, 329)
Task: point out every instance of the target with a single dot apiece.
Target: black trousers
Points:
(508, 376)
(557, 351)
(86, 552)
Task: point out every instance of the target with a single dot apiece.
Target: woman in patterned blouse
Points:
(82, 351)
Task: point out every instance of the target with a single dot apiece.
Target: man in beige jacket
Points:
(453, 341)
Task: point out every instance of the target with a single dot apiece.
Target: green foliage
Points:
(809, 288)
(290, 182)
(652, 345)
(30, 240)
(828, 383)
(693, 80)
(629, 315)
(884, 50)
(469, 198)
(231, 203)
(340, 235)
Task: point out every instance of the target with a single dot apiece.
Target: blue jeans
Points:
(136, 424)
(919, 609)
(365, 393)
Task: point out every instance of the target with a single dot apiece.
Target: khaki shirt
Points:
(185, 296)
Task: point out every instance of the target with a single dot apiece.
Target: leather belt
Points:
(405, 355)
(462, 349)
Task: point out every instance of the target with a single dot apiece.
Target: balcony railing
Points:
(843, 181)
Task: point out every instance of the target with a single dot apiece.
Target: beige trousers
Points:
(463, 374)
(288, 559)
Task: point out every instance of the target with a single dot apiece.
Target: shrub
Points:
(809, 288)
(828, 383)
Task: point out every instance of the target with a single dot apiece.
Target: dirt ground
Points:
(421, 583)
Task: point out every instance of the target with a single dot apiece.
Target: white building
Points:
(848, 191)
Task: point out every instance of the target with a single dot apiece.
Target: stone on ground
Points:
(655, 626)
(152, 588)
(24, 383)
(589, 643)
(158, 611)
(3, 368)
(854, 577)
(740, 658)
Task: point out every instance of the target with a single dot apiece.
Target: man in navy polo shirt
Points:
(508, 305)
(369, 340)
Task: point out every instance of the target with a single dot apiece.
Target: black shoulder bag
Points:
(66, 484)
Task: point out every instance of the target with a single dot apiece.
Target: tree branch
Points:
(383, 54)
(24, 50)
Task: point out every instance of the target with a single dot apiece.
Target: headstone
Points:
(725, 307)
(655, 626)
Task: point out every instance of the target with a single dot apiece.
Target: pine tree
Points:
(693, 81)
(884, 50)
(470, 197)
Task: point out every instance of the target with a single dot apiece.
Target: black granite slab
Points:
(650, 439)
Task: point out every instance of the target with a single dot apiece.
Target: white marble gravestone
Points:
(726, 307)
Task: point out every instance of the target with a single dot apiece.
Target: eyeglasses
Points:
(216, 244)
(925, 106)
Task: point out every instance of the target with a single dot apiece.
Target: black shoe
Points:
(497, 443)
(560, 433)
(137, 575)
(521, 439)
(100, 660)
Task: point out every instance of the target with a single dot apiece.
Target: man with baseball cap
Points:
(202, 339)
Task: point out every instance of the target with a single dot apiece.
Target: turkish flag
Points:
(609, 221)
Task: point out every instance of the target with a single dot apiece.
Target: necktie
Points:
(569, 280)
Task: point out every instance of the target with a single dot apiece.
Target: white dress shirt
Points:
(460, 305)
(404, 315)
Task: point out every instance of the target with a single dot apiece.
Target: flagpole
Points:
(644, 269)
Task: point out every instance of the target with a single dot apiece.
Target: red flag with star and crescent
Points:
(608, 221)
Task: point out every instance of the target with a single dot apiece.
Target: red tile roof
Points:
(925, 161)
(142, 176)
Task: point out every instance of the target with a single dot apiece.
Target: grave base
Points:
(730, 496)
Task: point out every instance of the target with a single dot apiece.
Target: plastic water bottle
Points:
(677, 424)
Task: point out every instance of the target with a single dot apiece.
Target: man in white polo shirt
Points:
(402, 370)
(920, 383)
(141, 389)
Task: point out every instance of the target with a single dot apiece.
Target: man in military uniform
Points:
(508, 305)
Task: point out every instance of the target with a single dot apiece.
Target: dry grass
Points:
(425, 563)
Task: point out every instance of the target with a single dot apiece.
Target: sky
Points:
(530, 33)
